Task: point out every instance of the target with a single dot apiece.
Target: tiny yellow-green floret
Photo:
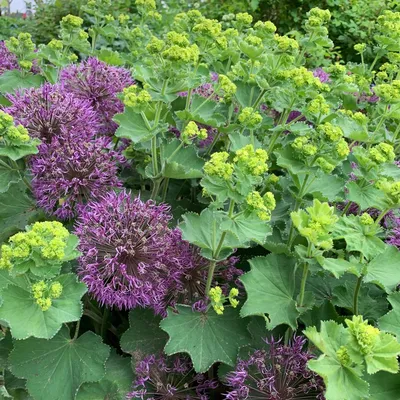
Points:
(218, 166)
(253, 161)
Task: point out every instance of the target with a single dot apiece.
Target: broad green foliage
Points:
(206, 337)
(64, 364)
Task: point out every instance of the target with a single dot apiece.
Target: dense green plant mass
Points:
(199, 209)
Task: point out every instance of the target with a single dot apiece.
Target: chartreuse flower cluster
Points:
(351, 349)
(315, 224)
(218, 299)
(42, 245)
(11, 134)
(136, 98)
(23, 47)
(240, 174)
(44, 292)
(192, 131)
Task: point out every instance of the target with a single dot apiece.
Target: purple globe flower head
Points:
(323, 76)
(124, 243)
(70, 172)
(49, 112)
(8, 61)
(171, 378)
(98, 83)
(280, 373)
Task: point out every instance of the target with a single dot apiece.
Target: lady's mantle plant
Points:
(227, 185)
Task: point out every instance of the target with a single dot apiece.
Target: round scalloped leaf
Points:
(206, 337)
(26, 318)
(270, 287)
(56, 368)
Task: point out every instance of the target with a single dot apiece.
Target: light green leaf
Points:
(270, 287)
(185, 163)
(144, 335)
(286, 158)
(16, 211)
(115, 384)
(384, 269)
(338, 266)
(205, 231)
(26, 318)
(8, 176)
(342, 383)
(206, 337)
(16, 79)
(17, 152)
(133, 127)
(367, 196)
(391, 321)
(56, 368)
(352, 231)
(383, 356)
(248, 228)
(327, 188)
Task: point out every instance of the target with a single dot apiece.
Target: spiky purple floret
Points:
(8, 61)
(323, 76)
(49, 112)
(98, 83)
(171, 378)
(124, 243)
(280, 373)
(68, 173)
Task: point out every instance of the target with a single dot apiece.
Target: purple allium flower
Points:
(279, 374)
(49, 112)
(123, 243)
(98, 83)
(8, 61)
(171, 378)
(323, 76)
(68, 173)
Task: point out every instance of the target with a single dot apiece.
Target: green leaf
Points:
(204, 111)
(115, 384)
(248, 229)
(133, 127)
(110, 57)
(16, 211)
(384, 269)
(383, 356)
(185, 164)
(367, 196)
(17, 152)
(327, 188)
(8, 176)
(26, 318)
(384, 386)
(206, 337)
(270, 287)
(352, 231)
(287, 159)
(342, 382)
(144, 335)
(16, 79)
(56, 368)
(338, 266)
(391, 321)
(205, 231)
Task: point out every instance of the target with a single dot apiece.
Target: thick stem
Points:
(78, 324)
(303, 284)
(355, 297)
(348, 205)
(154, 155)
(165, 189)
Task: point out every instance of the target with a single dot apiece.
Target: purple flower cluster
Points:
(323, 76)
(124, 264)
(68, 172)
(169, 379)
(50, 112)
(280, 373)
(8, 61)
(99, 84)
